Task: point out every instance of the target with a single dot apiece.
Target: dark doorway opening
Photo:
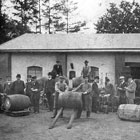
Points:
(134, 69)
(135, 72)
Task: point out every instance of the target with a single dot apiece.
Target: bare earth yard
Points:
(97, 127)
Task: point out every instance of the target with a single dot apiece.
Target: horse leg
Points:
(56, 118)
(73, 116)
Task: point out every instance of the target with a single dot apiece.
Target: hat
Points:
(18, 75)
(86, 61)
(34, 77)
(121, 77)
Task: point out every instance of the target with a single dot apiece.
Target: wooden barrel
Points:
(16, 102)
(129, 112)
(70, 100)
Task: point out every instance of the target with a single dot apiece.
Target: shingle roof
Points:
(73, 42)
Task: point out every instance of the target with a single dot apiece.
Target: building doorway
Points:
(134, 69)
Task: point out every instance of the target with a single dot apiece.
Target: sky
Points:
(91, 10)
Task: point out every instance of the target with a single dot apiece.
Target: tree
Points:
(26, 13)
(52, 14)
(60, 16)
(122, 19)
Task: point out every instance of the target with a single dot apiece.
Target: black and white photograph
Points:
(69, 69)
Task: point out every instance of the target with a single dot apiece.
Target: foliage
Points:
(60, 16)
(122, 19)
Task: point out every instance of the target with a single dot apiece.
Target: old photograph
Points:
(69, 69)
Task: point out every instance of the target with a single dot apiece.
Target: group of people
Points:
(57, 83)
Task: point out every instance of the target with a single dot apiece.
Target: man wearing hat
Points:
(95, 95)
(60, 86)
(36, 94)
(85, 70)
(18, 86)
(49, 89)
(28, 90)
(130, 90)
(57, 69)
(121, 90)
(87, 95)
(7, 85)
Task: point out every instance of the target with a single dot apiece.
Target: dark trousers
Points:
(95, 104)
(50, 101)
(122, 100)
(35, 100)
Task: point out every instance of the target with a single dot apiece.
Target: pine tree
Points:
(26, 13)
(60, 15)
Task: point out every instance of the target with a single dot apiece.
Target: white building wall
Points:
(20, 62)
(105, 63)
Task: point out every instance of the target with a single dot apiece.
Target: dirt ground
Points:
(97, 127)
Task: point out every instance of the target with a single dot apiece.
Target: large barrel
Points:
(129, 112)
(16, 102)
(70, 100)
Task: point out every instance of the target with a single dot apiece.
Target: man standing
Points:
(85, 70)
(1, 86)
(7, 85)
(36, 94)
(60, 86)
(121, 90)
(28, 90)
(95, 96)
(18, 86)
(49, 89)
(130, 90)
(87, 95)
(57, 69)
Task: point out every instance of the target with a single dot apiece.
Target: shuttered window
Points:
(34, 71)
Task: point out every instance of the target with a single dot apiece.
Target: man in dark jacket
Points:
(121, 90)
(28, 90)
(57, 69)
(36, 94)
(18, 86)
(49, 89)
(95, 96)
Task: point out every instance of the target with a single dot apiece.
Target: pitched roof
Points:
(73, 43)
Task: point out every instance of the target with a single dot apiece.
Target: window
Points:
(93, 72)
(34, 71)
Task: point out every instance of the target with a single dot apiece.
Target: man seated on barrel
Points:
(60, 86)
(87, 95)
